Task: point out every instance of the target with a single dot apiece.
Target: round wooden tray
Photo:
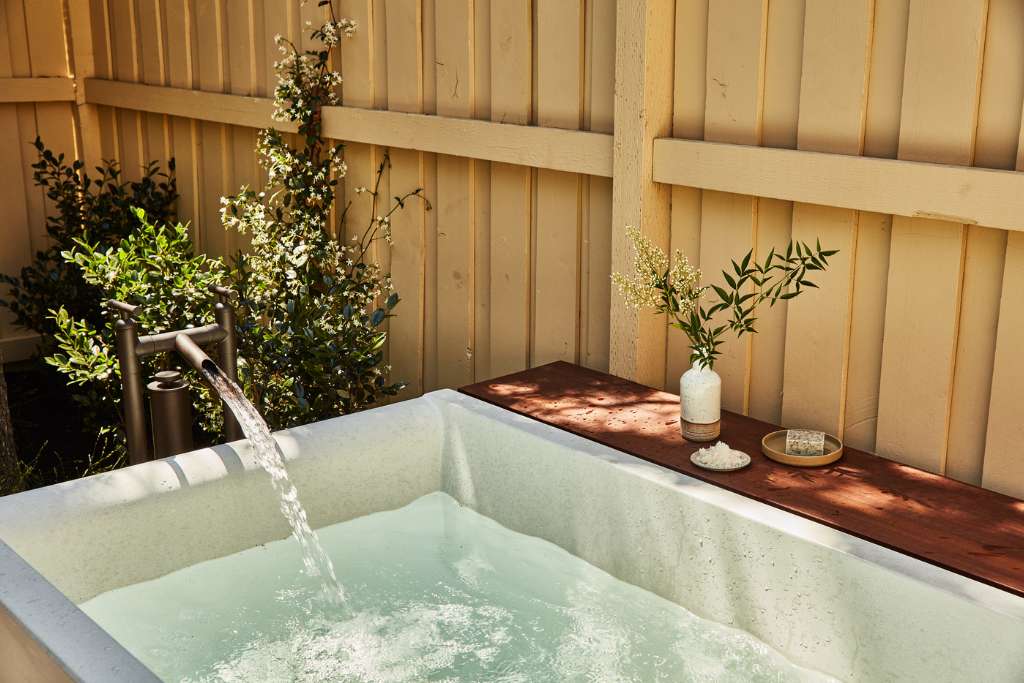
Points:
(774, 447)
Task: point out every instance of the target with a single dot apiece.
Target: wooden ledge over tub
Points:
(962, 528)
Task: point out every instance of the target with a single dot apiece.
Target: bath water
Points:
(435, 592)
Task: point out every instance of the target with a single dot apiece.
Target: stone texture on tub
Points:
(95, 534)
(827, 600)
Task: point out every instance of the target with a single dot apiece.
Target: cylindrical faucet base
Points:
(171, 411)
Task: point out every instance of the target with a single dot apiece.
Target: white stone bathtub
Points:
(826, 600)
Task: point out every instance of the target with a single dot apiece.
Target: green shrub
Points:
(311, 308)
(96, 209)
(157, 269)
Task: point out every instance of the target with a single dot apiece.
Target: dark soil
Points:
(49, 435)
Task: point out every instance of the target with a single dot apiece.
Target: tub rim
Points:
(88, 653)
(73, 641)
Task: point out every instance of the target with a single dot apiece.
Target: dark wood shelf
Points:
(963, 528)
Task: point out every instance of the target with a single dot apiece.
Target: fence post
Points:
(643, 112)
(82, 65)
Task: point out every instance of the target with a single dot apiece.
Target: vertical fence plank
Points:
(275, 22)
(430, 233)
(596, 248)
(455, 199)
(512, 68)
(782, 72)
(131, 143)
(405, 93)
(360, 56)
(17, 251)
(689, 95)
(380, 54)
(999, 119)
(82, 20)
(938, 121)
(309, 15)
(241, 29)
(881, 139)
(27, 130)
(152, 70)
(47, 50)
(556, 259)
(833, 97)
(482, 194)
(1002, 86)
(180, 64)
(364, 58)
(35, 53)
(1003, 467)
(733, 113)
(214, 169)
(358, 90)
(104, 68)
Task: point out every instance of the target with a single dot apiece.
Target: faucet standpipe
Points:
(170, 435)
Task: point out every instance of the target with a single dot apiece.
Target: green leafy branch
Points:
(675, 290)
(780, 276)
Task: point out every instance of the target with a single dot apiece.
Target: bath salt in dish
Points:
(720, 458)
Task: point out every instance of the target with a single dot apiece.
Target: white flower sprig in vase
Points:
(675, 289)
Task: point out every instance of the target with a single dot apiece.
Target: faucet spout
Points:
(195, 355)
(221, 382)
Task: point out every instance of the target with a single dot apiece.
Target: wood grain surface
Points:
(957, 526)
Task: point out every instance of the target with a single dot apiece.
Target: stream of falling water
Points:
(314, 557)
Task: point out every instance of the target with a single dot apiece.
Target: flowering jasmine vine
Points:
(312, 307)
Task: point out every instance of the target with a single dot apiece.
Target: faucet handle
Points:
(126, 311)
(225, 293)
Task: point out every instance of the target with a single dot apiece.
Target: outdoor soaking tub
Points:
(825, 600)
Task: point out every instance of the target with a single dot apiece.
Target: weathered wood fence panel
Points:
(36, 98)
(890, 129)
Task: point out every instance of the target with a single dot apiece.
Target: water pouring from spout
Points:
(314, 557)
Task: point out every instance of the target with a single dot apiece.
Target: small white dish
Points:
(696, 461)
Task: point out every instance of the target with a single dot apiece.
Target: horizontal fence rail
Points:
(538, 147)
(37, 90)
(958, 194)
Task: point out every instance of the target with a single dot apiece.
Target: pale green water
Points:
(434, 592)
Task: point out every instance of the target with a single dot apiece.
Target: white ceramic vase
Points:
(700, 403)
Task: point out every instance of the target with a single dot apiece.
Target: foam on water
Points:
(435, 592)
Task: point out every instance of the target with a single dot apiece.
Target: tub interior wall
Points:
(724, 557)
(111, 530)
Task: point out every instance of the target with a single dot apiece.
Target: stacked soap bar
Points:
(805, 442)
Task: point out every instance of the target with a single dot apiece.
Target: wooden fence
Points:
(888, 128)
